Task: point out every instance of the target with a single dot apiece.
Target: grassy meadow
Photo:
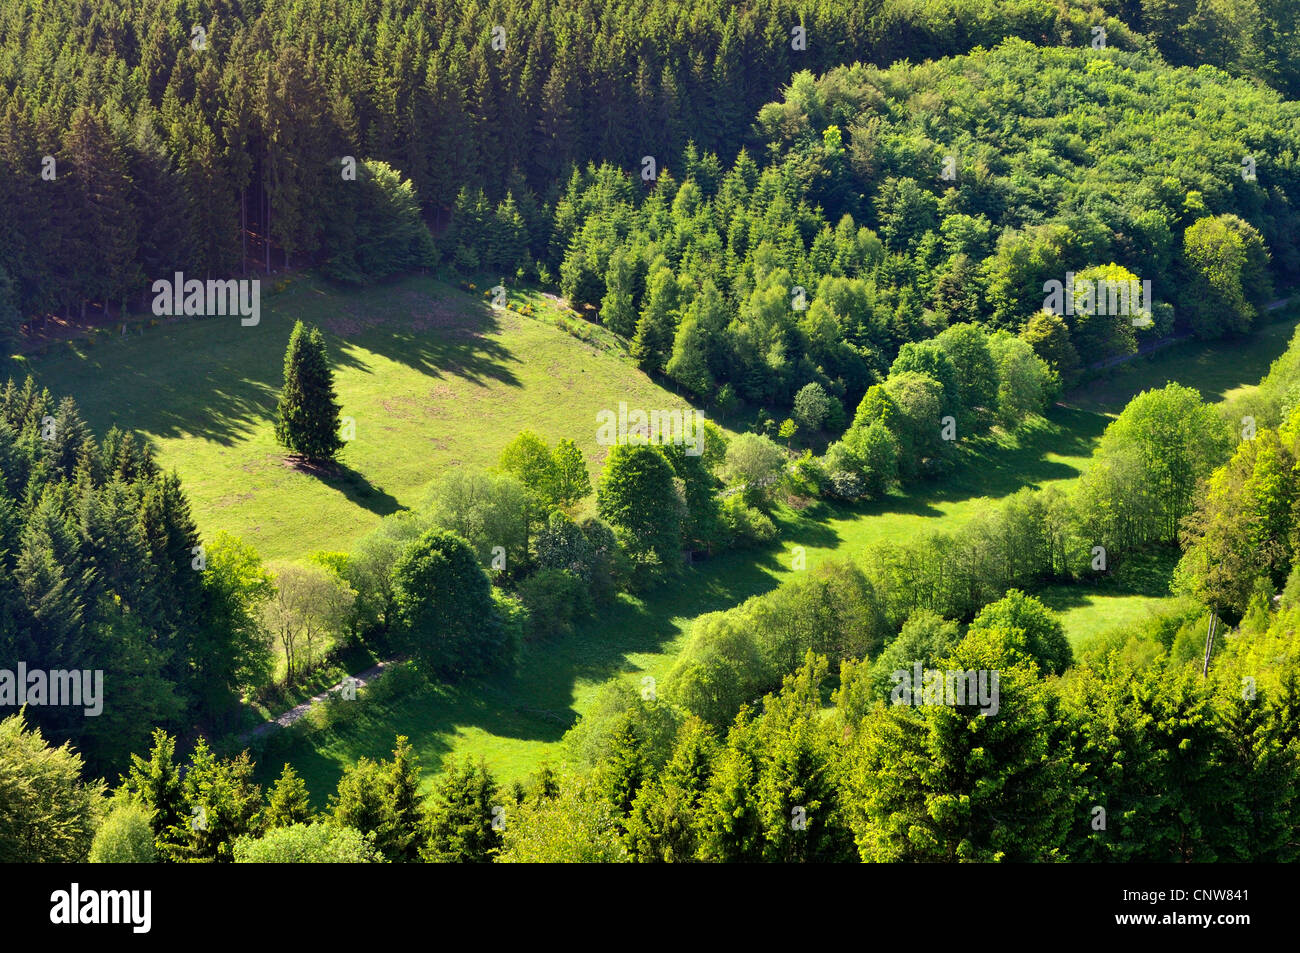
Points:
(435, 378)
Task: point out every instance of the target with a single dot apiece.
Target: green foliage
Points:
(221, 804)
(465, 816)
(379, 799)
(556, 600)
(946, 783)
(1230, 281)
(288, 802)
(573, 827)
(812, 407)
(443, 597)
(775, 794)
(745, 525)
(1039, 626)
(637, 498)
(307, 416)
(320, 842)
(48, 814)
(925, 637)
(487, 510)
(661, 827)
(125, 836)
(758, 464)
(374, 228)
(1243, 531)
(1143, 480)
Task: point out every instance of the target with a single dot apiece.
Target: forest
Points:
(830, 226)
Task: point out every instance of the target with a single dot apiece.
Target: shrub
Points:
(556, 600)
(318, 843)
(745, 525)
(125, 837)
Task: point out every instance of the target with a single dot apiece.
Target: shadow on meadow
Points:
(213, 378)
(1148, 573)
(359, 490)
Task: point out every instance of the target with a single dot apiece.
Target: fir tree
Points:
(461, 825)
(288, 802)
(307, 419)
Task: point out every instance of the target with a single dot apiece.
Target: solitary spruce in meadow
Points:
(307, 418)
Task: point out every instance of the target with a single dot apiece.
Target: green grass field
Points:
(515, 721)
(1139, 589)
(435, 378)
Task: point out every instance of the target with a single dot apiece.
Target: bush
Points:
(318, 843)
(844, 485)
(561, 544)
(807, 475)
(721, 668)
(125, 837)
(745, 525)
(556, 600)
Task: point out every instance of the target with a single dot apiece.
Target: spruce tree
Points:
(288, 802)
(307, 419)
(460, 822)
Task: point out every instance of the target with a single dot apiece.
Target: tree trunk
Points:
(266, 229)
(1209, 642)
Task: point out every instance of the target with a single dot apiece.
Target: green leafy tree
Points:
(451, 624)
(757, 463)
(156, 784)
(222, 804)
(48, 813)
(1049, 336)
(812, 407)
(637, 498)
(925, 637)
(1229, 267)
(572, 481)
(125, 836)
(657, 327)
(530, 460)
(236, 587)
(1045, 640)
(967, 346)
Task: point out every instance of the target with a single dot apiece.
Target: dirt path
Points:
(287, 718)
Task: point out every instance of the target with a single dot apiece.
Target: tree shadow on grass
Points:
(431, 327)
(353, 485)
(1148, 574)
(214, 379)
